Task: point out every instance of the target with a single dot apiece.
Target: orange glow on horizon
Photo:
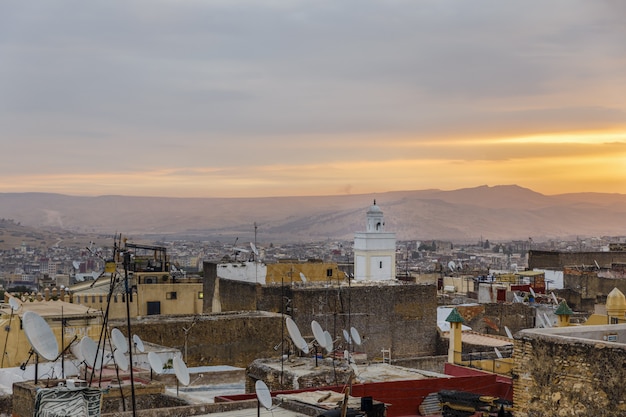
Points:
(546, 163)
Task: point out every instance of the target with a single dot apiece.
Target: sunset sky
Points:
(251, 98)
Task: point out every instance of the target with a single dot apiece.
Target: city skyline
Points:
(292, 98)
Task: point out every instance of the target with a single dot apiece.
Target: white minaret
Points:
(374, 249)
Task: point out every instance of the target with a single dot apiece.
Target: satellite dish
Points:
(138, 343)
(532, 292)
(181, 371)
(90, 353)
(120, 360)
(346, 355)
(119, 340)
(596, 262)
(516, 298)
(303, 277)
(263, 394)
(254, 249)
(355, 335)
(554, 298)
(548, 321)
(155, 362)
(318, 332)
(329, 341)
(346, 336)
(76, 265)
(40, 336)
(451, 266)
(242, 250)
(15, 305)
(498, 354)
(295, 335)
(508, 332)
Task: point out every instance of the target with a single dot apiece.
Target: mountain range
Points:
(504, 212)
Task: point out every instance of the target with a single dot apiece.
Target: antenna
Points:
(296, 337)
(263, 394)
(355, 335)
(554, 298)
(15, 305)
(138, 343)
(498, 354)
(548, 321)
(508, 332)
(40, 336)
(346, 336)
(318, 332)
(156, 364)
(120, 360)
(90, 353)
(329, 341)
(181, 371)
(119, 340)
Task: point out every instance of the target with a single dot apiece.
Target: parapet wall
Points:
(569, 371)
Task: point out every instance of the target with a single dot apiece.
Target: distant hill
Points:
(494, 213)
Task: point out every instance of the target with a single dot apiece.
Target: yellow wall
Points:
(16, 345)
(288, 272)
(187, 300)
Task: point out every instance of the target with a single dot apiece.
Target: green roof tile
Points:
(454, 317)
(563, 309)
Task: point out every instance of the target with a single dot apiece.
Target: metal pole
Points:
(130, 351)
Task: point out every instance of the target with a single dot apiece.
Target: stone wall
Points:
(589, 284)
(397, 317)
(234, 339)
(400, 317)
(568, 376)
(558, 260)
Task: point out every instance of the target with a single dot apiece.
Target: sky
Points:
(259, 98)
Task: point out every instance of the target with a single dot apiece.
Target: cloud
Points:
(127, 86)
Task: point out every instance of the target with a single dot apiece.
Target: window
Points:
(170, 295)
(329, 272)
(380, 264)
(200, 295)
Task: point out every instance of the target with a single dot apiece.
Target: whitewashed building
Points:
(374, 249)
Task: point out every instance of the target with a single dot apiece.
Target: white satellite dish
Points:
(119, 340)
(120, 360)
(532, 292)
(318, 332)
(554, 298)
(508, 332)
(346, 355)
(548, 321)
(15, 305)
(156, 364)
(451, 266)
(138, 343)
(181, 371)
(303, 277)
(254, 249)
(90, 353)
(40, 336)
(295, 335)
(498, 354)
(516, 298)
(242, 250)
(355, 335)
(346, 336)
(263, 394)
(76, 264)
(329, 341)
